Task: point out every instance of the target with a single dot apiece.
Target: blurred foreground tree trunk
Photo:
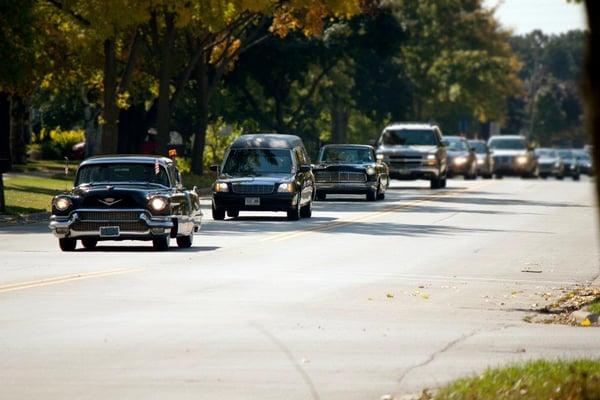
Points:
(592, 84)
(4, 143)
(111, 111)
(19, 128)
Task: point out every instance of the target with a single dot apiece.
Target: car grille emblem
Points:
(109, 201)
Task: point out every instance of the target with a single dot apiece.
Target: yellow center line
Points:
(370, 216)
(65, 278)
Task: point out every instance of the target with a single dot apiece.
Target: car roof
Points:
(349, 146)
(127, 158)
(410, 125)
(268, 141)
(454, 138)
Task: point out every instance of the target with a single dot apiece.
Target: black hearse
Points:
(264, 172)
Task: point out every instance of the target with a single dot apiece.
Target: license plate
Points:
(109, 231)
(252, 201)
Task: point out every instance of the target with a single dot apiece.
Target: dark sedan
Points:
(584, 161)
(126, 198)
(550, 163)
(264, 172)
(461, 158)
(350, 169)
(570, 162)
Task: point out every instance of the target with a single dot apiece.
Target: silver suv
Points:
(414, 151)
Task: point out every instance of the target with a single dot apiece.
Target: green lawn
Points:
(28, 194)
(536, 380)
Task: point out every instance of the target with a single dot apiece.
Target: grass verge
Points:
(557, 380)
(595, 306)
(29, 194)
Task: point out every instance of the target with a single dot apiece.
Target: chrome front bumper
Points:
(62, 226)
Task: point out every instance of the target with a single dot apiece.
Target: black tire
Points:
(321, 196)
(443, 183)
(67, 244)
(306, 211)
(89, 243)
(499, 176)
(372, 195)
(560, 177)
(161, 243)
(487, 176)
(218, 214)
(233, 213)
(434, 183)
(185, 242)
(543, 176)
(294, 213)
(576, 177)
(381, 196)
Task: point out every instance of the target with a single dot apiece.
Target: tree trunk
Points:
(592, 84)
(4, 143)
(19, 129)
(340, 116)
(203, 97)
(111, 112)
(164, 86)
(133, 127)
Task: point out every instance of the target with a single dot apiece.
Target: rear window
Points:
(409, 137)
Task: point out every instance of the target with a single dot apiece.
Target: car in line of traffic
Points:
(129, 197)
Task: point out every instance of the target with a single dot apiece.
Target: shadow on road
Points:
(144, 249)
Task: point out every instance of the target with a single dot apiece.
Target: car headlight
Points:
(522, 160)
(221, 187)
(431, 156)
(557, 165)
(370, 171)
(460, 160)
(158, 203)
(480, 161)
(62, 203)
(286, 187)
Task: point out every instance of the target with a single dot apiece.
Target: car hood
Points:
(457, 153)
(509, 152)
(405, 150)
(263, 179)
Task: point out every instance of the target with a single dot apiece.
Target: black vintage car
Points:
(126, 198)
(264, 172)
(350, 169)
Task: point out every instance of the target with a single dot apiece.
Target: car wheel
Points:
(443, 183)
(576, 177)
(161, 243)
(321, 196)
(67, 244)
(306, 211)
(218, 214)
(560, 177)
(487, 176)
(499, 176)
(89, 243)
(372, 195)
(185, 242)
(294, 213)
(434, 183)
(233, 213)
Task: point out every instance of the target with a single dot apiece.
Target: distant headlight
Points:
(370, 171)
(460, 160)
(431, 156)
(287, 187)
(522, 160)
(221, 187)
(557, 164)
(62, 203)
(480, 161)
(158, 203)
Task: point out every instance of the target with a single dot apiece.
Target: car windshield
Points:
(409, 137)
(546, 153)
(347, 155)
(582, 155)
(508, 144)
(258, 161)
(456, 145)
(480, 147)
(122, 172)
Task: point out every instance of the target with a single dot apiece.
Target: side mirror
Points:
(214, 168)
(305, 168)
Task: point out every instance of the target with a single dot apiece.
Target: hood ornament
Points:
(109, 201)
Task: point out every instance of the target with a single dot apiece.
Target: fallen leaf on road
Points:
(425, 296)
(390, 295)
(532, 271)
(586, 322)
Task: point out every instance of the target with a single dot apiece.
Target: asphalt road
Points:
(362, 300)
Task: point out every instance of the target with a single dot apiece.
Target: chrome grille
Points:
(406, 161)
(109, 216)
(252, 188)
(124, 226)
(340, 177)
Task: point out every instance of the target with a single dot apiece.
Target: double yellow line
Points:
(373, 215)
(65, 279)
